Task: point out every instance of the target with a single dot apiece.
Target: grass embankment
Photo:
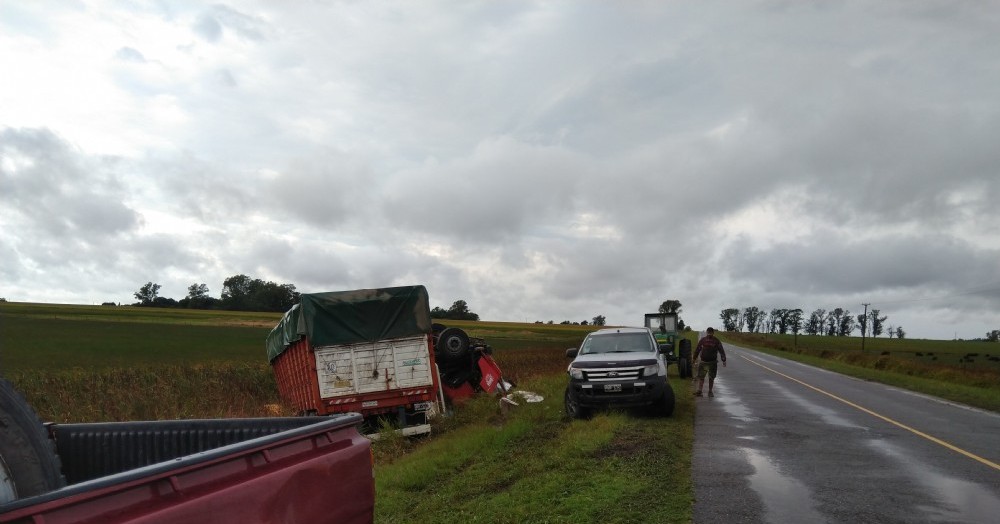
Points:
(533, 464)
(953, 370)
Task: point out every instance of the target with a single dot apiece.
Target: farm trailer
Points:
(376, 352)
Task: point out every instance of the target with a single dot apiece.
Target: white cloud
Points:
(540, 161)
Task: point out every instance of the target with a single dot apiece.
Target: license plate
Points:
(612, 388)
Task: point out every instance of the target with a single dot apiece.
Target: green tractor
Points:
(676, 347)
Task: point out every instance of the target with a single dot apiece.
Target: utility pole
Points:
(864, 326)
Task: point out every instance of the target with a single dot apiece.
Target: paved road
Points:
(785, 442)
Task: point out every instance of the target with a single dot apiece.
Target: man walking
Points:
(710, 349)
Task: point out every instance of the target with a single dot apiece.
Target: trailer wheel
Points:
(28, 461)
(453, 344)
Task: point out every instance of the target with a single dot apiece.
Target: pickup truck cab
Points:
(618, 368)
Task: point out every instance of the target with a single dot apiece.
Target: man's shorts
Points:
(709, 368)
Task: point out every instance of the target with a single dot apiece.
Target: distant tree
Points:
(583, 322)
(197, 298)
(242, 293)
(993, 336)
(877, 322)
(900, 334)
(729, 317)
(754, 318)
(794, 320)
(565, 323)
(846, 325)
(236, 292)
(816, 322)
(164, 302)
(439, 312)
(599, 320)
(834, 319)
(862, 324)
(147, 294)
(670, 306)
(459, 310)
(891, 331)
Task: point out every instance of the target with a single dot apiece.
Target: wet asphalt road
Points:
(775, 446)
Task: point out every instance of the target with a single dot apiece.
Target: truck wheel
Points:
(28, 462)
(573, 408)
(452, 344)
(665, 406)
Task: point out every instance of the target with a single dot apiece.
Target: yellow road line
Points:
(931, 438)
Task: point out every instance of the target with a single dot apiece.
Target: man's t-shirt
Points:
(710, 347)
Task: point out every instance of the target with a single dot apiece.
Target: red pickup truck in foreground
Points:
(280, 470)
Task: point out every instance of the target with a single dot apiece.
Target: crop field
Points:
(526, 464)
(104, 363)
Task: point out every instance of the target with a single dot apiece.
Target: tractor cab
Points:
(664, 328)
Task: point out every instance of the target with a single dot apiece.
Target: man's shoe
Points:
(710, 393)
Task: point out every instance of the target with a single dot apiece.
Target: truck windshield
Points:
(617, 343)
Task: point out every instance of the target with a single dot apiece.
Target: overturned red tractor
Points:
(376, 352)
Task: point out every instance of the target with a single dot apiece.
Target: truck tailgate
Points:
(309, 469)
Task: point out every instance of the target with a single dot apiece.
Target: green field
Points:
(528, 464)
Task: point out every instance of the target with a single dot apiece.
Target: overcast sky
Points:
(539, 160)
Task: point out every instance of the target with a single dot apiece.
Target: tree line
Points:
(239, 293)
(835, 322)
(242, 293)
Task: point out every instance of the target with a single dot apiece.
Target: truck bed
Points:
(302, 469)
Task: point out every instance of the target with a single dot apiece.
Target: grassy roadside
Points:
(535, 465)
(979, 388)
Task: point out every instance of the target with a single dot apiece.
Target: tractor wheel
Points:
(684, 367)
(28, 462)
(452, 344)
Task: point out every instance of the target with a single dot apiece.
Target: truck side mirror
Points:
(571, 353)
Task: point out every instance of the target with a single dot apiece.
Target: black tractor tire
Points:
(452, 345)
(28, 461)
(573, 408)
(684, 367)
(437, 328)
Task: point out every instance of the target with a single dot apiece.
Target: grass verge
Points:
(533, 464)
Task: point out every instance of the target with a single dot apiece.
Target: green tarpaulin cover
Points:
(348, 317)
